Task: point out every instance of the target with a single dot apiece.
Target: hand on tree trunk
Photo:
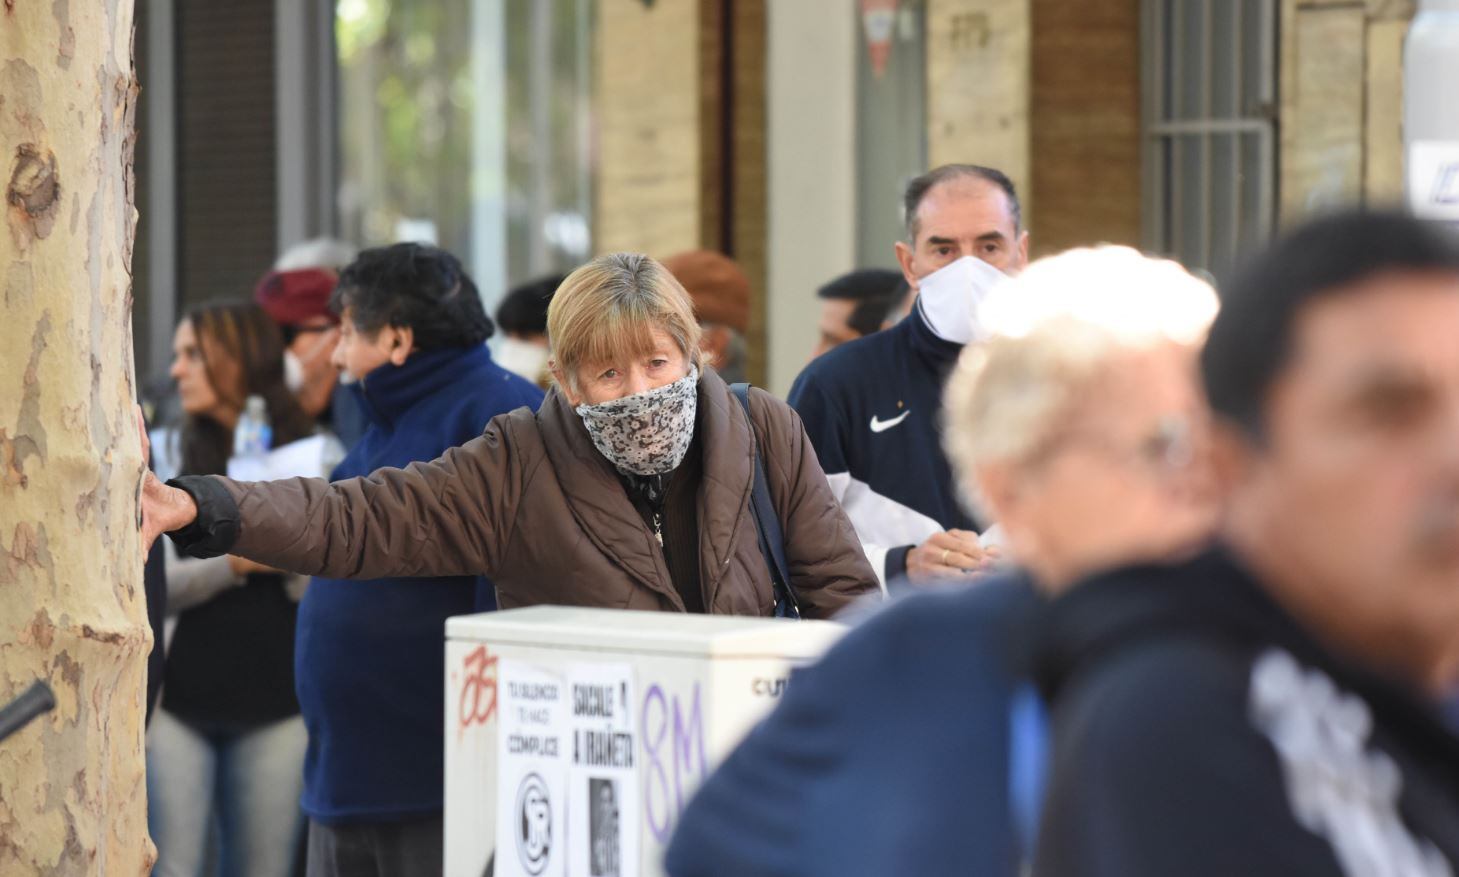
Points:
(163, 508)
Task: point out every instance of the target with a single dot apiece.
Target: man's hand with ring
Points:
(954, 554)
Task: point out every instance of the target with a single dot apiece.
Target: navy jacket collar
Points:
(390, 390)
(939, 353)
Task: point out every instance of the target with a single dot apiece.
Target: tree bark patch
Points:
(35, 187)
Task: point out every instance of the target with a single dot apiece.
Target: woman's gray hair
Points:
(1052, 329)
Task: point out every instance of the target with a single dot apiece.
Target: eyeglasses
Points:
(1167, 449)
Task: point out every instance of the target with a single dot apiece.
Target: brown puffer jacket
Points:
(534, 506)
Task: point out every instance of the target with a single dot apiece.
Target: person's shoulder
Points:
(478, 394)
(974, 606)
(1161, 694)
(951, 632)
(852, 362)
(489, 383)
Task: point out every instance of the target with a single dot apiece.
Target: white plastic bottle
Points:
(253, 436)
(1430, 112)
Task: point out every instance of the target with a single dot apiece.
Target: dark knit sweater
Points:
(679, 522)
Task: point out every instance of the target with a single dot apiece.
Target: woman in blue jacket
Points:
(370, 654)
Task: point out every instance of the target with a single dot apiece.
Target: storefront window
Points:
(468, 123)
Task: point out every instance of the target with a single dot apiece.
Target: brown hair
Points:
(243, 355)
(610, 307)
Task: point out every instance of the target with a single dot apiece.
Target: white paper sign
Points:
(311, 457)
(602, 780)
(1433, 179)
(531, 805)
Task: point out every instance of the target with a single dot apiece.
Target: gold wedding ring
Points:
(944, 556)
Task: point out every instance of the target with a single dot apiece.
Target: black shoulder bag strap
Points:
(767, 523)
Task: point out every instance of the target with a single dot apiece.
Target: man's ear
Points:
(904, 259)
(998, 491)
(1022, 249)
(402, 343)
(1233, 454)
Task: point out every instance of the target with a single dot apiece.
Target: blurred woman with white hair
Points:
(1078, 425)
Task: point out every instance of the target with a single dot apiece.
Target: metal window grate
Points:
(1209, 81)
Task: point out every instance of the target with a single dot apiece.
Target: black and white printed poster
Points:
(603, 837)
(532, 798)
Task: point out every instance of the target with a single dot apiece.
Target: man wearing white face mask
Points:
(872, 407)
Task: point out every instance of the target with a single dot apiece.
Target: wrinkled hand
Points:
(955, 554)
(163, 508)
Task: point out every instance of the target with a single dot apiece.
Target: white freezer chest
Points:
(575, 736)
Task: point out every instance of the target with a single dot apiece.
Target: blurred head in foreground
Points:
(1079, 426)
(1333, 372)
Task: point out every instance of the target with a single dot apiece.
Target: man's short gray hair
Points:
(918, 188)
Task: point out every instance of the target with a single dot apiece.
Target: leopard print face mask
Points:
(646, 434)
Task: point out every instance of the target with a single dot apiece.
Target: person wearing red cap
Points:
(721, 294)
(297, 300)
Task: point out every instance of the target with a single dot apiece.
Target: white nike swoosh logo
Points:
(884, 425)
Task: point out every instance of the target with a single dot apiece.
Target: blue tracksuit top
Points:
(369, 656)
(899, 752)
(872, 409)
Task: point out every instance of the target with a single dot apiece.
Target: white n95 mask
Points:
(950, 299)
(522, 358)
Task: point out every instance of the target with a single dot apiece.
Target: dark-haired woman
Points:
(224, 752)
(412, 335)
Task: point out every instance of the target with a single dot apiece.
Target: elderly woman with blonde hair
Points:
(1077, 425)
(633, 486)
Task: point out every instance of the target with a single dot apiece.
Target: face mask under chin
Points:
(522, 358)
(649, 433)
(293, 372)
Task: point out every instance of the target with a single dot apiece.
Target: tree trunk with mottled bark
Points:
(72, 607)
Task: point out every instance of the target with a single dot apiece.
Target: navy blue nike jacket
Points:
(873, 411)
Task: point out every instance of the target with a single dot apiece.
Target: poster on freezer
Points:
(532, 801)
(602, 782)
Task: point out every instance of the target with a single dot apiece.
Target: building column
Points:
(1341, 104)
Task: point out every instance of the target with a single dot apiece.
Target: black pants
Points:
(412, 848)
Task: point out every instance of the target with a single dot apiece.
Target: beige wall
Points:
(811, 206)
(1342, 103)
(978, 86)
(648, 195)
